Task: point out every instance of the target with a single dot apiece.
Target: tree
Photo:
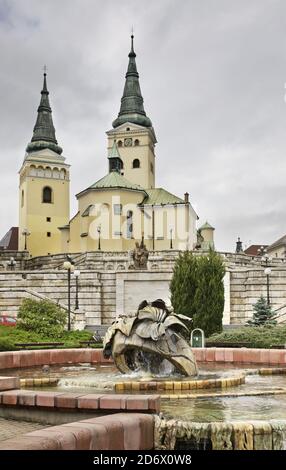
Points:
(209, 296)
(43, 317)
(263, 314)
(184, 284)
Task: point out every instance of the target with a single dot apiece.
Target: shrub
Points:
(197, 290)
(262, 337)
(184, 284)
(41, 317)
(209, 296)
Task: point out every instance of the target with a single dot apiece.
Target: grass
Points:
(9, 335)
(257, 337)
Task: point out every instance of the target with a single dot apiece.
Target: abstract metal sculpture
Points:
(149, 340)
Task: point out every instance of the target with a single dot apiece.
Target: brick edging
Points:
(121, 431)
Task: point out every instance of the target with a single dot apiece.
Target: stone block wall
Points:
(109, 286)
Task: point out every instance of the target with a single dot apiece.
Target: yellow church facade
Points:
(115, 211)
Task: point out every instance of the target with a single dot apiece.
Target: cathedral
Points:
(116, 211)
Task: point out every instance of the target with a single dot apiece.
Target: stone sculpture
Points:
(150, 340)
(140, 255)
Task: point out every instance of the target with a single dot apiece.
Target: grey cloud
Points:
(212, 75)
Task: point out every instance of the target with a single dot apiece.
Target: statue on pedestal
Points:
(140, 255)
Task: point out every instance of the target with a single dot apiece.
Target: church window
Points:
(40, 171)
(129, 224)
(62, 174)
(56, 173)
(33, 171)
(119, 143)
(48, 172)
(136, 142)
(117, 209)
(22, 198)
(136, 163)
(47, 195)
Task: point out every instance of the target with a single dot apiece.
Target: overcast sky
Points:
(212, 74)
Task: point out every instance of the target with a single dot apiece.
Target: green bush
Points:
(41, 317)
(10, 335)
(197, 290)
(209, 296)
(184, 284)
(262, 337)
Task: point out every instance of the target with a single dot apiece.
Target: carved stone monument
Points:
(140, 255)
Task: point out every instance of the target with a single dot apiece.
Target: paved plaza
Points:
(11, 428)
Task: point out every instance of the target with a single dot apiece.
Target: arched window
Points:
(129, 224)
(47, 195)
(48, 172)
(136, 142)
(40, 171)
(33, 171)
(119, 143)
(62, 174)
(136, 163)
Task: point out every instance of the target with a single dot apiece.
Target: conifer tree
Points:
(184, 284)
(209, 296)
(263, 314)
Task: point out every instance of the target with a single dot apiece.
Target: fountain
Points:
(150, 340)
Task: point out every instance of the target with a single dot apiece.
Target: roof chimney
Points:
(187, 198)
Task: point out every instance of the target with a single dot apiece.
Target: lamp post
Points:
(171, 239)
(267, 271)
(11, 263)
(26, 233)
(99, 232)
(69, 267)
(76, 275)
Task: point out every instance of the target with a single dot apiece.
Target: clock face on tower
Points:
(128, 142)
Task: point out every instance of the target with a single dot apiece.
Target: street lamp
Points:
(99, 232)
(76, 275)
(69, 267)
(26, 233)
(11, 263)
(267, 271)
(171, 238)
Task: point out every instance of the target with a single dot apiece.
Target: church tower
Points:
(133, 133)
(44, 187)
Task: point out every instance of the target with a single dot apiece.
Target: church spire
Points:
(44, 135)
(132, 108)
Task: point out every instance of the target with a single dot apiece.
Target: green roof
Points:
(132, 107)
(160, 196)
(206, 226)
(44, 136)
(115, 180)
(114, 152)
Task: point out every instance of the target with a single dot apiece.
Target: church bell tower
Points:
(44, 187)
(133, 132)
